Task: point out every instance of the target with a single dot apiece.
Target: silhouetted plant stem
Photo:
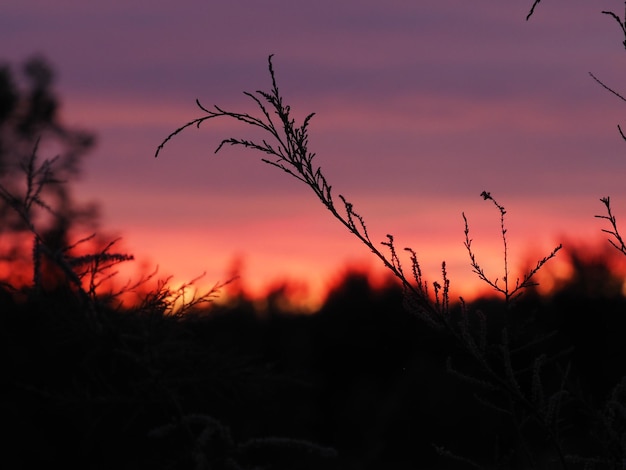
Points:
(289, 152)
(291, 155)
(619, 243)
(615, 445)
(532, 9)
(37, 178)
(509, 295)
(620, 22)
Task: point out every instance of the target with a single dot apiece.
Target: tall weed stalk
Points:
(514, 374)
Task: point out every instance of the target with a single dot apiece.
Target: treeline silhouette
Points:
(359, 384)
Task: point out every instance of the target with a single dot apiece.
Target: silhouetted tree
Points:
(30, 122)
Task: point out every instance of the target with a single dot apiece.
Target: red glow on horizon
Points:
(299, 284)
(296, 295)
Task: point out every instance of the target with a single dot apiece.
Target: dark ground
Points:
(360, 385)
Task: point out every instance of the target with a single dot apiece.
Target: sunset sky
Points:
(420, 106)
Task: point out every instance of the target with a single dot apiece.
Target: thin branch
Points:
(622, 24)
(532, 9)
(510, 295)
(607, 87)
(619, 245)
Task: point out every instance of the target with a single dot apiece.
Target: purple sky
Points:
(419, 107)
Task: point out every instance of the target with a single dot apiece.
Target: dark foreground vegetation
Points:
(402, 377)
(358, 385)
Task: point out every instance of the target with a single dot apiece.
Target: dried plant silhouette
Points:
(519, 374)
(622, 25)
(510, 294)
(518, 382)
(30, 119)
